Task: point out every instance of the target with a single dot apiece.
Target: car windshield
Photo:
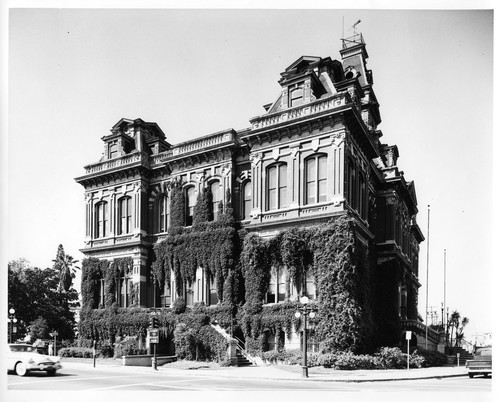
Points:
(22, 348)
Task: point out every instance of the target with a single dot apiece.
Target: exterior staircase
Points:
(242, 360)
(451, 354)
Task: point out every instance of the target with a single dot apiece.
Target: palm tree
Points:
(454, 323)
(460, 331)
(64, 263)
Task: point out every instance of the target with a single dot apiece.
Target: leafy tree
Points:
(39, 329)
(34, 293)
(65, 264)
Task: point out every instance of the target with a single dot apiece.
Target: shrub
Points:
(75, 352)
(185, 346)
(128, 347)
(431, 358)
(179, 306)
(106, 348)
(225, 362)
(416, 360)
(210, 345)
(350, 361)
(391, 358)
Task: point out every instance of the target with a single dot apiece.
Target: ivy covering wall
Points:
(241, 264)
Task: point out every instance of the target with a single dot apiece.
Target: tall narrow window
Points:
(102, 294)
(163, 213)
(122, 292)
(190, 203)
(166, 297)
(216, 198)
(362, 195)
(125, 215)
(276, 187)
(281, 285)
(189, 294)
(271, 290)
(296, 96)
(402, 301)
(213, 298)
(101, 218)
(247, 200)
(351, 184)
(112, 150)
(316, 179)
(310, 287)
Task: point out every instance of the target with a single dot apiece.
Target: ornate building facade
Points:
(313, 155)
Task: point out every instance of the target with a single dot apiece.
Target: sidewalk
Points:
(294, 373)
(284, 372)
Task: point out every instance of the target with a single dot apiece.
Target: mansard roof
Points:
(153, 128)
(301, 62)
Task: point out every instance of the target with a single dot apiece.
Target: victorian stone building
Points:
(314, 154)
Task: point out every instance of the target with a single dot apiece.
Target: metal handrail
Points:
(239, 342)
(245, 353)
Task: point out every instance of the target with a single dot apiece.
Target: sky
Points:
(74, 72)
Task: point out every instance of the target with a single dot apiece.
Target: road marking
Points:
(152, 384)
(70, 379)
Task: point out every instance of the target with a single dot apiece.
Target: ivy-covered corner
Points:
(241, 264)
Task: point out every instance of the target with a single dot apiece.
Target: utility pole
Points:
(444, 285)
(427, 280)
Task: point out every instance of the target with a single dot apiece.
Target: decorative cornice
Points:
(309, 109)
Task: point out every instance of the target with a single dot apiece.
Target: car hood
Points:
(36, 357)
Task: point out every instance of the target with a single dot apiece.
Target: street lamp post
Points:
(305, 310)
(54, 334)
(12, 321)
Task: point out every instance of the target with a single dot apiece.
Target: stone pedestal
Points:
(231, 352)
(442, 342)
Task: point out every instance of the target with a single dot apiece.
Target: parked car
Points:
(481, 363)
(23, 358)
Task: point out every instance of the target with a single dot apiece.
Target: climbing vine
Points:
(177, 204)
(203, 208)
(255, 269)
(210, 245)
(241, 264)
(92, 269)
(344, 299)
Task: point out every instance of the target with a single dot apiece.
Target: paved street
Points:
(77, 377)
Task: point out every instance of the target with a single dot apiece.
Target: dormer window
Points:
(112, 150)
(296, 95)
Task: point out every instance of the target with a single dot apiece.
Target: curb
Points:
(270, 377)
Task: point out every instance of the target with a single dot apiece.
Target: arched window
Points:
(316, 179)
(276, 187)
(216, 198)
(101, 219)
(163, 213)
(247, 200)
(190, 203)
(124, 215)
